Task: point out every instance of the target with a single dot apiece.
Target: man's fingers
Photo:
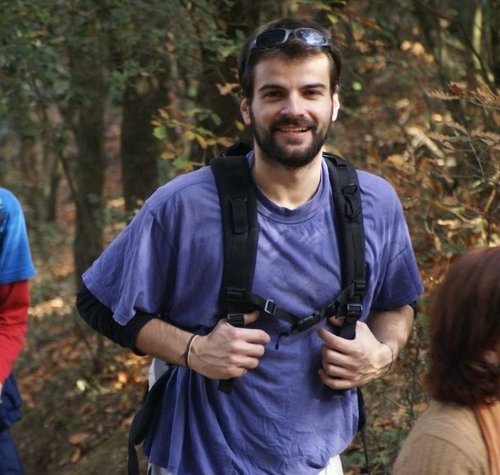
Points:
(333, 341)
(337, 384)
(251, 317)
(242, 319)
(336, 321)
(249, 335)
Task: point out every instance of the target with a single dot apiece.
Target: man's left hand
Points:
(351, 363)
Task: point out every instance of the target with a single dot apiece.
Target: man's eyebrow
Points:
(318, 85)
(270, 86)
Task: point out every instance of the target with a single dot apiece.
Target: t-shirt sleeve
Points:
(397, 280)
(130, 275)
(401, 284)
(15, 256)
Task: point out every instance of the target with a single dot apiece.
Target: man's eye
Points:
(313, 92)
(273, 94)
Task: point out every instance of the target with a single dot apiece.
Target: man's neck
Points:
(289, 188)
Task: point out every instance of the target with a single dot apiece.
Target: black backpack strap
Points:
(351, 237)
(240, 230)
(362, 431)
(145, 420)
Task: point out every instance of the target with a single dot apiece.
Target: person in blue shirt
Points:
(155, 289)
(16, 267)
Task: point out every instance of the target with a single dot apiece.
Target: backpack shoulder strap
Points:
(240, 228)
(240, 232)
(351, 237)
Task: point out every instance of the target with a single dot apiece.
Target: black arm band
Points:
(414, 306)
(100, 318)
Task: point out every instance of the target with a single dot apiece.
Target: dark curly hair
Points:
(293, 49)
(464, 324)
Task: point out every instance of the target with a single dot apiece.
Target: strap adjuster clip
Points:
(269, 307)
(235, 294)
(359, 286)
(354, 310)
(307, 322)
(236, 319)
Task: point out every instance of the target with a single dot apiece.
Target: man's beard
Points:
(284, 154)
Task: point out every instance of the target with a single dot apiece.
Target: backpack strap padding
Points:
(351, 238)
(240, 234)
(240, 227)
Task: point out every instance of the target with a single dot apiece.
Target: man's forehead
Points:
(283, 71)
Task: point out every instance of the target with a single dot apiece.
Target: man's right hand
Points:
(228, 351)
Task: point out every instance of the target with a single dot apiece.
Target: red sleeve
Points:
(14, 304)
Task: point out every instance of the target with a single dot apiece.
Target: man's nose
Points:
(293, 106)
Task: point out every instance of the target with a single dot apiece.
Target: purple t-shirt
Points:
(279, 418)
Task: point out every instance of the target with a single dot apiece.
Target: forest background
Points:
(103, 100)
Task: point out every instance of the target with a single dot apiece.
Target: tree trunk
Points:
(54, 181)
(88, 105)
(493, 14)
(140, 150)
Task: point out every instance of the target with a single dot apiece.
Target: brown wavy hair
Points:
(292, 49)
(464, 323)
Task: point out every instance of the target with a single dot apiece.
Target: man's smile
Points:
(292, 127)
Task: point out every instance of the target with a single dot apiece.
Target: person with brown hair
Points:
(460, 431)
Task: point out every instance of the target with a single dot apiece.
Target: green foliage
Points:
(31, 68)
(183, 124)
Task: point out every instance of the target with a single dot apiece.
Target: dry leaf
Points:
(76, 455)
(78, 438)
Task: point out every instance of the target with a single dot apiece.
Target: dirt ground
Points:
(76, 417)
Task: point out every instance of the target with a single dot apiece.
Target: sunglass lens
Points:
(270, 38)
(311, 37)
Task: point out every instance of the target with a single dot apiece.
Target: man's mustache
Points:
(301, 122)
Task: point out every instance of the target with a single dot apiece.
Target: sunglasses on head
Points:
(273, 38)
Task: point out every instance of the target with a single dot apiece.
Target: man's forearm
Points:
(164, 341)
(392, 327)
(144, 333)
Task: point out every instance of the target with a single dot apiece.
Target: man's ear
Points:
(493, 356)
(245, 110)
(336, 106)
